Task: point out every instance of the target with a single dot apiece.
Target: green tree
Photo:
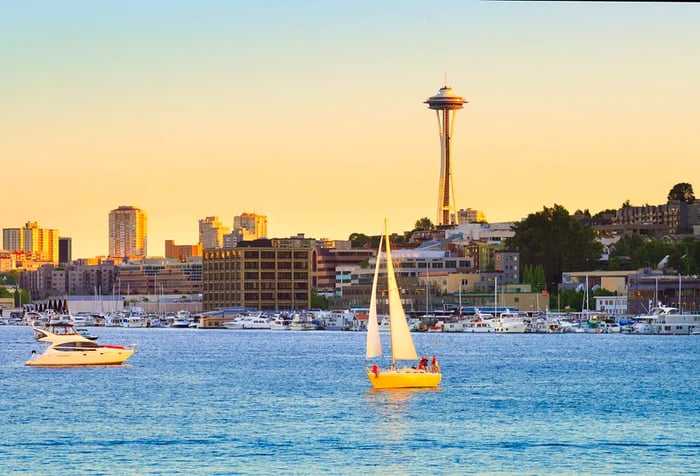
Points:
(651, 253)
(682, 191)
(626, 245)
(556, 241)
(318, 301)
(535, 277)
(8, 278)
(359, 240)
(22, 297)
(424, 224)
(685, 257)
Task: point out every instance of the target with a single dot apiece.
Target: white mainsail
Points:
(374, 344)
(402, 347)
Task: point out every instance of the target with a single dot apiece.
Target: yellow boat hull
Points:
(404, 378)
(99, 356)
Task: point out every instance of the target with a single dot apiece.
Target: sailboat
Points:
(402, 347)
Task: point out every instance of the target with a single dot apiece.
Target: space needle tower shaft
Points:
(445, 103)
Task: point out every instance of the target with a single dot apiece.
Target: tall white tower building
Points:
(445, 103)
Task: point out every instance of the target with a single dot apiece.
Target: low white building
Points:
(611, 305)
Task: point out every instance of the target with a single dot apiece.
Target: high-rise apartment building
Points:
(65, 246)
(127, 232)
(42, 242)
(250, 226)
(211, 232)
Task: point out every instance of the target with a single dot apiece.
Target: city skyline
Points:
(313, 115)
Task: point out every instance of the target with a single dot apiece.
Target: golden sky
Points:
(312, 112)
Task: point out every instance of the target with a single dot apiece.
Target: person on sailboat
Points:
(423, 365)
(375, 370)
(435, 367)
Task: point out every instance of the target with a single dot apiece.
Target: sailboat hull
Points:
(404, 378)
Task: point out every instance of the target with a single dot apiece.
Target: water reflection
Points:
(392, 410)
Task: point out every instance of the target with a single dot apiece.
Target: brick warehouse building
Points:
(263, 274)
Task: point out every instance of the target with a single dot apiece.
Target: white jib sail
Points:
(374, 344)
(402, 347)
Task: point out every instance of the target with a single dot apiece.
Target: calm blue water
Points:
(247, 402)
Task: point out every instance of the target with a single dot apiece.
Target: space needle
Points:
(445, 103)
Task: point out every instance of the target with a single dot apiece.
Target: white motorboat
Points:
(280, 322)
(669, 320)
(453, 326)
(302, 322)
(510, 323)
(75, 350)
(479, 325)
(248, 321)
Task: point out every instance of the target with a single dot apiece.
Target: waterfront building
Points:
(611, 305)
(445, 104)
(648, 290)
(127, 232)
(263, 274)
(329, 256)
(158, 276)
(182, 252)
(41, 242)
(211, 232)
(354, 282)
(50, 280)
(614, 281)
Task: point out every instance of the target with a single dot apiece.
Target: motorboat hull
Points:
(404, 378)
(97, 356)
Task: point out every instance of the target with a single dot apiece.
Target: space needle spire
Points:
(445, 103)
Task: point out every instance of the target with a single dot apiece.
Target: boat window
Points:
(76, 346)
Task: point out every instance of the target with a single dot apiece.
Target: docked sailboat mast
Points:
(445, 103)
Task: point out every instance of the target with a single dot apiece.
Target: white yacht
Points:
(510, 323)
(453, 326)
(643, 325)
(280, 322)
(302, 322)
(669, 320)
(248, 321)
(479, 325)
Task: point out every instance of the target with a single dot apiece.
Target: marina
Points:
(663, 320)
(508, 404)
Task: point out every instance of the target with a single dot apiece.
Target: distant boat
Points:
(249, 321)
(85, 332)
(402, 347)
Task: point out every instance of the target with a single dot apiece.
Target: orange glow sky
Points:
(311, 112)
